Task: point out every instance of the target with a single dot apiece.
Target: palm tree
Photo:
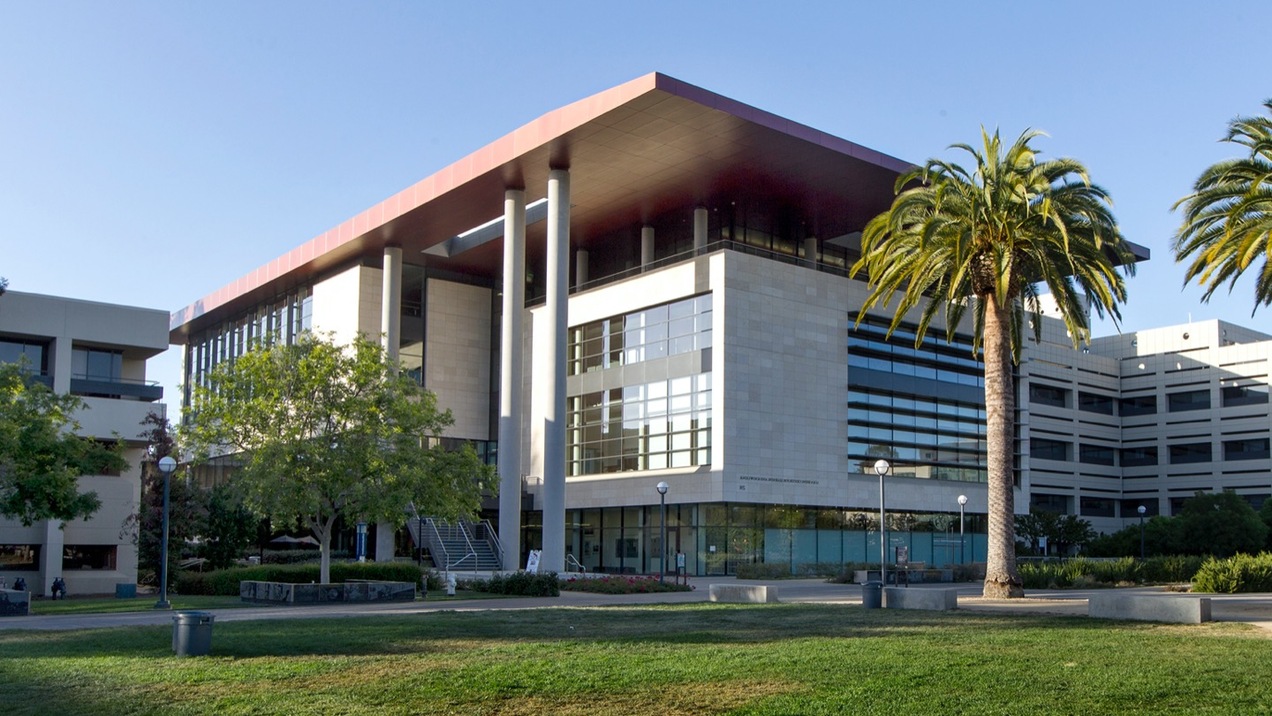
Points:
(992, 238)
(1228, 217)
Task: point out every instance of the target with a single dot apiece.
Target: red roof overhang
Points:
(634, 152)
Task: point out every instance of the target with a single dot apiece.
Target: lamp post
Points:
(166, 466)
(881, 467)
(662, 558)
(962, 544)
(1141, 510)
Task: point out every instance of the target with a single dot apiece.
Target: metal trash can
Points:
(872, 595)
(192, 633)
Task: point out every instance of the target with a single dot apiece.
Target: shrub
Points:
(225, 582)
(523, 584)
(764, 570)
(299, 556)
(1239, 573)
(616, 584)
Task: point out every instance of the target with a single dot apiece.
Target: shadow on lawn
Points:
(447, 631)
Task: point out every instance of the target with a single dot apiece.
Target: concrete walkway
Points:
(1251, 608)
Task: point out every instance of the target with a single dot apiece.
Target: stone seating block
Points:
(14, 603)
(928, 599)
(742, 593)
(1150, 607)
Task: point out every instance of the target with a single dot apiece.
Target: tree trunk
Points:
(323, 532)
(1001, 579)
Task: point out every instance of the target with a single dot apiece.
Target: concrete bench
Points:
(930, 599)
(1150, 607)
(742, 593)
(14, 603)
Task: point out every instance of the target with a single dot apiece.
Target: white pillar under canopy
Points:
(646, 245)
(699, 228)
(553, 556)
(391, 337)
(580, 268)
(510, 379)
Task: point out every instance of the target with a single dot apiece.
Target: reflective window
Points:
(1252, 449)
(1188, 400)
(648, 334)
(1051, 395)
(1139, 405)
(1098, 507)
(655, 426)
(1189, 453)
(1139, 456)
(1048, 449)
(1236, 396)
(35, 354)
(1096, 454)
(1095, 403)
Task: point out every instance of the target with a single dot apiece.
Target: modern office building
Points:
(650, 286)
(98, 352)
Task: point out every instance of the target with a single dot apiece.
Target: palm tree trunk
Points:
(1001, 579)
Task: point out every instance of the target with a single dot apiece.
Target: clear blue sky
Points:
(152, 152)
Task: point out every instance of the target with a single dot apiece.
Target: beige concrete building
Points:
(98, 352)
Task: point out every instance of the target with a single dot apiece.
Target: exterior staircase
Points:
(461, 546)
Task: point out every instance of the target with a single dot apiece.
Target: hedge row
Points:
(1238, 573)
(524, 584)
(225, 582)
(1082, 572)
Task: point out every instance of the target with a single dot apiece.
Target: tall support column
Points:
(510, 378)
(699, 228)
(558, 254)
(810, 251)
(580, 267)
(646, 245)
(391, 338)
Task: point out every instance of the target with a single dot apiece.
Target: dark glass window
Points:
(1096, 455)
(35, 354)
(1130, 508)
(1189, 453)
(97, 364)
(1236, 396)
(1139, 405)
(1098, 507)
(1043, 394)
(1139, 456)
(1188, 400)
(1253, 449)
(1049, 503)
(1095, 403)
(1048, 449)
(88, 556)
(20, 557)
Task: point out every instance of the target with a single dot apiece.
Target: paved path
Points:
(1251, 608)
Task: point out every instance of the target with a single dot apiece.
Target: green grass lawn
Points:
(685, 659)
(112, 605)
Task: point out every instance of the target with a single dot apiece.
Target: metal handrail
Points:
(571, 558)
(490, 537)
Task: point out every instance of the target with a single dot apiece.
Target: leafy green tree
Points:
(184, 501)
(228, 527)
(1265, 513)
(992, 239)
(1061, 532)
(324, 431)
(41, 459)
(1221, 524)
(1228, 216)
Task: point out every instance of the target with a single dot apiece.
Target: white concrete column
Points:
(510, 379)
(699, 228)
(810, 251)
(646, 245)
(553, 557)
(62, 371)
(391, 302)
(50, 555)
(391, 338)
(580, 267)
